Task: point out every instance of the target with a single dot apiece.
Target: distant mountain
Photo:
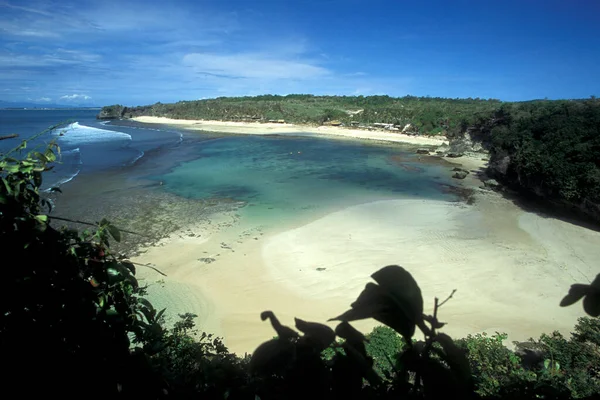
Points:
(19, 104)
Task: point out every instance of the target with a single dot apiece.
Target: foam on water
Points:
(66, 170)
(75, 134)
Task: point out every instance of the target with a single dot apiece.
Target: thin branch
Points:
(37, 135)
(448, 298)
(91, 224)
(11, 136)
(148, 266)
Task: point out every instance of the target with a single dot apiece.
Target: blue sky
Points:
(140, 52)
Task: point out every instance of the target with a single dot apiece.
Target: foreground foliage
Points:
(74, 322)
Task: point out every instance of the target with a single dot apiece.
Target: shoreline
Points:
(511, 267)
(258, 128)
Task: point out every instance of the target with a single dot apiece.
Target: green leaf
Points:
(42, 218)
(11, 168)
(114, 232)
(7, 186)
(50, 156)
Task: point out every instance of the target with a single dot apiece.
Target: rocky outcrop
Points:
(465, 143)
(422, 151)
(112, 112)
(491, 184)
(459, 173)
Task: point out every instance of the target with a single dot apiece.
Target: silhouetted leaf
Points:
(403, 288)
(435, 324)
(455, 357)
(576, 293)
(129, 266)
(353, 337)
(114, 232)
(348, 332)
(283, 332)
(395, 302)
(319, 333)
(590, 293)
(591, 304)
(365, 364)
(273, 356)
(370, 302)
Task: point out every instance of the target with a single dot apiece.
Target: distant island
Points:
(10, 105)
(546, 148)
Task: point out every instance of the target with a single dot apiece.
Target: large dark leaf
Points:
(576, 293)
(591, 304)
(590, 293)
(371, 301)
(273, 356)
(114, 232)
(403, 288)
(318, 334)
(395, 302)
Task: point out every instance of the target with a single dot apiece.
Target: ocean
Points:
(87, 145)
(157, 179)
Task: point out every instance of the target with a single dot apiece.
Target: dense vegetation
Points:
(427, 115)
(74, 323)
(551, 149)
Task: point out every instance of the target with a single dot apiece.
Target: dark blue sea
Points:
(87, 145)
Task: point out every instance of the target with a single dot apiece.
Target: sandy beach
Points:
(510, 267)
(255, 128)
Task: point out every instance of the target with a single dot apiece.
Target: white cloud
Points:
(254, 66)
(75, 98)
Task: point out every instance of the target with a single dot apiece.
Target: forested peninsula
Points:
(546, 148)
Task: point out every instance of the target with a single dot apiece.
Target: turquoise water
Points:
(283, 178)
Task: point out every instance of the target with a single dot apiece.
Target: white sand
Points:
(255, 128)
(511, 268)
